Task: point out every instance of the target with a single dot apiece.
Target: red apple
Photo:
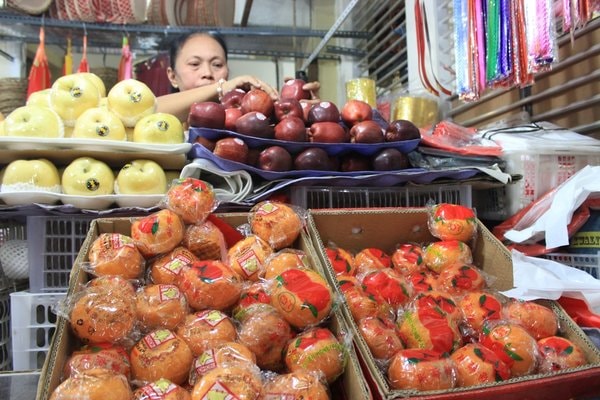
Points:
(353, 162)
(275, 158)
(231, 116)
(366, 132)
(293, 89)
(313, 158)
(401, 129)
(288, 107)
(328, 132)
(209, 144)
(390, 160)
(254, 124)
(257, 100)
(233, 149)
(356, 111)
(207, 114)
(291, 129)
(233, 99)
(325, 111)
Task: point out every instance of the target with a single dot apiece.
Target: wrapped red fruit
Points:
(157, 233)
(426, 326)
(421, 370)
(165, 269)
(97, 384)
(381, 335)
(318, 350)
(237, 381)
(303, 297)
(161, 389)
(210, 284)
(161, 354)
(115, 284)
(296, 385)
(362, 305)
(442, 301)
(247, 257)
(408, 258)
(477, 365)
(102, 355)
(437, 256)
(558, 353)
(266, 333)
(276, 223)
(371, 258)
(160, 306)
(461, 278)
(387, 285)
(452, 222)
(255, 293)
(283, 260)
(341, 260)
(192, 199)
(513, 345)
(423, 281)
(226, 353)
(115, 254)
(100, 314)
(206, 329)
(477, 307)
(539, 320)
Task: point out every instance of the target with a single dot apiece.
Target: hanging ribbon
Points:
(539, 23)
(83, 65)
(68, 63)
(461, 46)
(39, 74)
(126, 63)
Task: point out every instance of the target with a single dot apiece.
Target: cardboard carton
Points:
(351, 385)
(356, 229)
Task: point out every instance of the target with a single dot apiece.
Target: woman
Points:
(199, 72)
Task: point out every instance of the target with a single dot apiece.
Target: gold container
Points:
(361, 89)
(420, 111)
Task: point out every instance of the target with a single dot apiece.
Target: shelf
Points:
(263, 41)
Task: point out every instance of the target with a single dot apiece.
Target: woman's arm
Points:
(179, 103)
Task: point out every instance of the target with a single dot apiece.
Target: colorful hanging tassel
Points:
(39, 74)
(541, 38)
(83, 64)
(126, 63)
(68, 63)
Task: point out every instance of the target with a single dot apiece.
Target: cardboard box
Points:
(355, 229)
(351, 385)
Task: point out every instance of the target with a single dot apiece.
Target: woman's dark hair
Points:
(179, 41)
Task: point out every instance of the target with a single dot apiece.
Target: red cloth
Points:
(39, 74)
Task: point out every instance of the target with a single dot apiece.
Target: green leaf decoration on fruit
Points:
(511, 353)
(313, 310)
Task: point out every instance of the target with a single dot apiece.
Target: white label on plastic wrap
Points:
(158, 389)
(175, 266)
(212, 317)
(205, 362)
(157, 338)
(220, 392)
(267, 209)
(249, 262)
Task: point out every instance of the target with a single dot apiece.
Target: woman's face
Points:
(201, 61)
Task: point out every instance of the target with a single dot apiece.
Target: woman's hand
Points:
(248, 82)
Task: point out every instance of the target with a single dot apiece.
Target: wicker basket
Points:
(13, 94)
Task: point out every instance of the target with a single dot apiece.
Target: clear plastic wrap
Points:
(388, 285)
(115, 254)
(477, 307)
(540, 321)
(157, 233)
(226, 353)
(439, 255)
(458, 279)
(112, 357)
(161, 389)
(452, 222)
(277, 223)
(94, 385)
(303, 297)
(233, 381)
(513, 345)
(341, 260)
(421, 370)
(206, 241)
(477, 365)
(558, 353)
(160, 306)
(210, 284)
(283, 260)
(296, 385)
(160, 354)
(317, 349)
(192, 199)
(247, 257)
(206, 329)
(371, 258)
(360, 304)
(382, 337)
(408, 258)
(164, 269)
(266, 333)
